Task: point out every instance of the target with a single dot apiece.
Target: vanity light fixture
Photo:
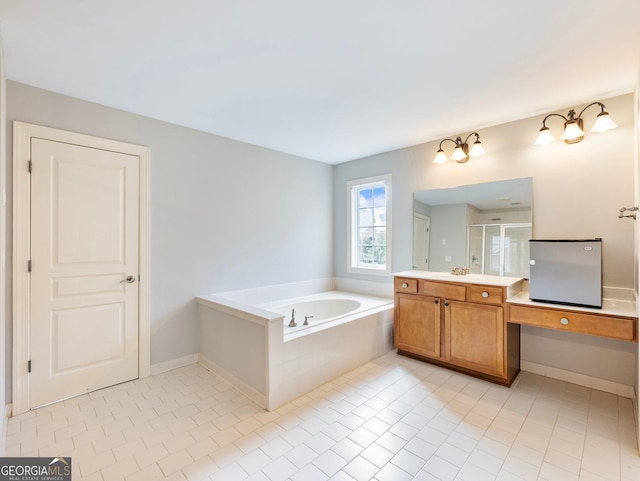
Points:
(573, 132)
(461, 151)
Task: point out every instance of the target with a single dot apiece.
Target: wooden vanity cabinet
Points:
(419, 331)
(457, 326)
(474, 337)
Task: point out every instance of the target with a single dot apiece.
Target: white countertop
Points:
(466, 279)
(613, 307)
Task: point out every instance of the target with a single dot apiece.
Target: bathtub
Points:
(323, 311)
(253, 347)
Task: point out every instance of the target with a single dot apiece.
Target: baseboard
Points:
(623, 390)
(165, 366)
(256, 396)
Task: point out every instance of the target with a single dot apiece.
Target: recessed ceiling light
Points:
(503, 199)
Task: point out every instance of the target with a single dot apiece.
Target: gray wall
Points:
(420, 208)
(224, 214)
(577, 191)
(448, 237)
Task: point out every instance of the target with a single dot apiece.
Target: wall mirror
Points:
(484, 227)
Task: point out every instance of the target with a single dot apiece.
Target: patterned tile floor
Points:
(394, 419)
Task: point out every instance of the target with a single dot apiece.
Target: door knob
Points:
(128, 279)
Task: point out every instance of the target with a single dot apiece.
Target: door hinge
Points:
(29, 366)
(30, 166)
(29, 266)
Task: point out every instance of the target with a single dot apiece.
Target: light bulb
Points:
(544, 137)
(476, 149)
(458, 154)
(572, 131)
(603, 123)
(441, 158)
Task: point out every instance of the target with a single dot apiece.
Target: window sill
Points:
(372, 271)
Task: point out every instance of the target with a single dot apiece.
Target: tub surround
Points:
(616, 320)
(239, 309)
(250, 347)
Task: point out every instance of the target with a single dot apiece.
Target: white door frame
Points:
(22, 134)
(428, 219)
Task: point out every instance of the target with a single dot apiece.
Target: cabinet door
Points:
(474, 336)
(417, 325)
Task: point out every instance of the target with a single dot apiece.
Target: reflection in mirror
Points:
(485, 227)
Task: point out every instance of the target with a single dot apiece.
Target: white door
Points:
(421, 242)
(84, 270)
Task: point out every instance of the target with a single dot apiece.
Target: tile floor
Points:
(394, 419)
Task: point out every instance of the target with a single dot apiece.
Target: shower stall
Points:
(499, 249)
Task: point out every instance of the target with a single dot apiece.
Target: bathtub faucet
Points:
(293, 322)
(306, 320)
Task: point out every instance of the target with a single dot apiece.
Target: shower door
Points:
(499, 249)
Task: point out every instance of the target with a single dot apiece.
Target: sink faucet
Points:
(460, 271)
(293, 322)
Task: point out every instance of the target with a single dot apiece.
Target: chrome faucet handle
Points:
(306, 320)
(293, 322)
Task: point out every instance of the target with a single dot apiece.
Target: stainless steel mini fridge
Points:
(566, 272)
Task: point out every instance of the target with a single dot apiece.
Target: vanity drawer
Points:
(453, 292)
(401, 284)
(594, 324)
(486, 295)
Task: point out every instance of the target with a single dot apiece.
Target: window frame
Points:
(353, 187)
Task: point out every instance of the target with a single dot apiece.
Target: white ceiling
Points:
(330, 80)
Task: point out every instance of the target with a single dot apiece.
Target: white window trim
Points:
(351, 234)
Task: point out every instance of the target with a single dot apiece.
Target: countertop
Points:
(466, 279)
(612, 307)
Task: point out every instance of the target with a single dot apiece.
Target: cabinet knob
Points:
(436, 301)
(446, 304)
(564, 321)
(405, 285)
(485, 294)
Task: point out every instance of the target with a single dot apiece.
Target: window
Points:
(370, 225)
